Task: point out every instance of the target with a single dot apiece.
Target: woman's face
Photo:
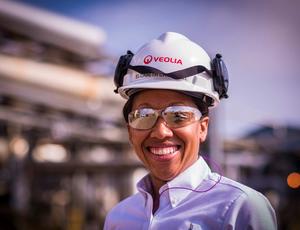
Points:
(164, 151)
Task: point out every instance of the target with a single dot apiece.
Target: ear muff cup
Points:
(220, 76)
(121, 69)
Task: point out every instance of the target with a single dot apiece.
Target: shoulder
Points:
(124, 209)
(238, 188)
(242, 194)
(123, 206)
(230, 190)
(247, 206)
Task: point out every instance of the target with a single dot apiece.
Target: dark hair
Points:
(201, 105)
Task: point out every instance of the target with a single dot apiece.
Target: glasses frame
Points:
(159, 113)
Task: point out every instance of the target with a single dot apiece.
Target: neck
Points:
(156, 185)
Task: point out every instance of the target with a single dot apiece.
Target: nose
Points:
(161, 130)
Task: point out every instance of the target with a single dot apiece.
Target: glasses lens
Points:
(174, 116)
(142, 118)
(178, 116)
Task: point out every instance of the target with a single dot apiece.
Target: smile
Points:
(163, 150)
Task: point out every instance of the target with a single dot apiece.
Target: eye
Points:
(177, 117)
(181, 116)
(146, 112)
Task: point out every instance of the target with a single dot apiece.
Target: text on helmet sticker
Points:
(149, 58)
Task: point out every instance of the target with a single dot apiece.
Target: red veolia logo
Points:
(149, 58)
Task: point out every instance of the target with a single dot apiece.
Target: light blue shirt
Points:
(219, 203)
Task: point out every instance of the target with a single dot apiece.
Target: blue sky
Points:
(259, 41)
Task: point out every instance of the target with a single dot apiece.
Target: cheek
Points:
(137, 138)
(190, 136)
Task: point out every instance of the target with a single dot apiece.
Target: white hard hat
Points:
(172, 62)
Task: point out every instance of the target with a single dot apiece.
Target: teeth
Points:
(163, 150)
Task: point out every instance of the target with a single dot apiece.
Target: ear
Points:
(203, 128)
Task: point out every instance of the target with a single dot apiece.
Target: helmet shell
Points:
(168, 53)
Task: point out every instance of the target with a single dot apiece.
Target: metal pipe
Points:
(41, 25)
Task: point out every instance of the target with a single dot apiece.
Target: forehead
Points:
(160, 98)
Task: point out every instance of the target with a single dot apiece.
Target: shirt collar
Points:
(189, 179)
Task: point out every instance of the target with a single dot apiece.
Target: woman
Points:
(170, 83)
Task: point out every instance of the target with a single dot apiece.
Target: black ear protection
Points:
(121, 69)
(219, 73)
(220, 76)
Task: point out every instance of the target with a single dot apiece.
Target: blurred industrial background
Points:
(65, 160)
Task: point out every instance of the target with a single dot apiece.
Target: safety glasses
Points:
(174, 116)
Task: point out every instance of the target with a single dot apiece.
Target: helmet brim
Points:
(181, 86)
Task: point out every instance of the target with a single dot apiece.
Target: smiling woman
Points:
(167, 120)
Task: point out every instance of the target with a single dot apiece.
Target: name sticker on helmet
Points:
(151, 75)
(149, 58)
